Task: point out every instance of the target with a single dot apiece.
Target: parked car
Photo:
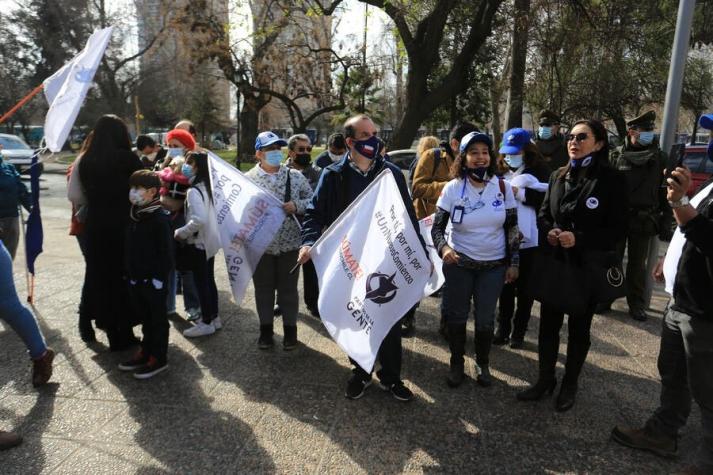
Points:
(696, 159)
(16, 151)
(402, 158)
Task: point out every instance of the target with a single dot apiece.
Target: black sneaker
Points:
(356, 387)
(150, 369)
(398, 390)
(138, 361)
(638, 314)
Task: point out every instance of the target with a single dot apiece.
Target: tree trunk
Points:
(695, 128)
(495, 97)
(519, 58)
(620, 123)
(248, 132)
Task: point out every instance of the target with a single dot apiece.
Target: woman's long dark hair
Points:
(458, 169)
(601, 156)
(109, 136)
(200, 161)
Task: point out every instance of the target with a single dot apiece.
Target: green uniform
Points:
(649, 212)
(554, 150)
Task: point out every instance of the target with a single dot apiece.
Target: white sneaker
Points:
(200, 329)
(217, 323)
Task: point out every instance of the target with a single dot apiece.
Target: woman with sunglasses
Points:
(585, 209)
(480, 253)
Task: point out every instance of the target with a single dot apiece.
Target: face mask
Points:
(175, 152)
(545, 133)
(273, 158)
(513, 161)
(152, 156)
(136, 196)
(581, 162)
(368, 148)
(645, 138)
(477, 173)
(187, 171)
(335, 157)
(303, 159)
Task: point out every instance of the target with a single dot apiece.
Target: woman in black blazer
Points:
(585, 209)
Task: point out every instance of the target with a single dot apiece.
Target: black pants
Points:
(151, 303)
(506, 303)
(389, 358)
(203, 275)
(577, 346)
(310, 285)
(637, 251)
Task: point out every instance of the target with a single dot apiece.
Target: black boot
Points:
(577, 351)
(547, 349)
(408, 324)
(265, 341)
(86, 331)
(290, 341)
(456, 342)
(483, 341)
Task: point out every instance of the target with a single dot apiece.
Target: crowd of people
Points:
(509, 220)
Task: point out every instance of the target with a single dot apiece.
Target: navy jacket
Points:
(13, 191)
(338, 186)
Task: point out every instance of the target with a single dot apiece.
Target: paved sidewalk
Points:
(226, 407)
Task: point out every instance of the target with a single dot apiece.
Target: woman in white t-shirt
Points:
(480, 252)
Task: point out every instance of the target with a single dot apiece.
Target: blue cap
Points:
(265, 139)
(706, 121)
(514, 140)
(474, 137)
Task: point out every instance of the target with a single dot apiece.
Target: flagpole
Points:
(22, 102)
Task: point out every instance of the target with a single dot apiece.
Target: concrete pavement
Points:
(226, 407)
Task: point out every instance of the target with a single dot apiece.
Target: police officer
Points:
(550, 141)
(641, 160)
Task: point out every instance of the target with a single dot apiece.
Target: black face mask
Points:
(303, 159)
(477, 174)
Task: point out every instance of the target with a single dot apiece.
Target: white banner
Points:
(66, 89)
(372, 269)
(248, 217)
(437, 279)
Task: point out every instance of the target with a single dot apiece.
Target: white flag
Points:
(247, 217)
(372, 269)
(437, 279)
(66, 89)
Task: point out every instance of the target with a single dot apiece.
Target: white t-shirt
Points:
(480, 234)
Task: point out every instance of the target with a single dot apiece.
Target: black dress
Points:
(105, 180)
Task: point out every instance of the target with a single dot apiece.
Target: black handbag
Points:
(559, 280)
(606, 277)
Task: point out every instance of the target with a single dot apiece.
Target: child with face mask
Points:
(148, 263)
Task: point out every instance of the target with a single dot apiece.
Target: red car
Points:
(696, 159)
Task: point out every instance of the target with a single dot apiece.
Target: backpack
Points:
(412, 167)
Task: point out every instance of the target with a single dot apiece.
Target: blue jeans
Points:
(14, 313)
(190, 293)
(482, 285)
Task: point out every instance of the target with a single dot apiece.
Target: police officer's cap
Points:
(644, 121)
(548, 116)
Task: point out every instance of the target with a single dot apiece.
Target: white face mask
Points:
(335, 157)
(137, 196)
(151, 156)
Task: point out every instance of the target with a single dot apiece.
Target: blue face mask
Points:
(513, 161)
(187, 171)
(273, 158)
(645, 138)
(368, 148)
(545, 133)
(174, 152)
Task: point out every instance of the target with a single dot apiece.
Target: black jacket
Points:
(534, 198)
(599, 219)
(694, 278)
(149, 246)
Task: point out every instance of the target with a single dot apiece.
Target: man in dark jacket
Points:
(550, 142)
(151, 153)
(336, 148)
(643, 163)
(338, 186)
(686, 355)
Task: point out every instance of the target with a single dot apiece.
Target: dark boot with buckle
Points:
(646, 438)
(265, 340)
(547, 350)
(456, 342)
(576, 355)
(483, 342)
(290, 341)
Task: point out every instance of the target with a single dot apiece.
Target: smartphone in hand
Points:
(675, 160)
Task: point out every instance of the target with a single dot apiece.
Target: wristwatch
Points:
(680, 203)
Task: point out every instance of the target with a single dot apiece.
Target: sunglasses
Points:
(304, 149)
(580, 137)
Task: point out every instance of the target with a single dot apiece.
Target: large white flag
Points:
(372, 269)
(66, 89)
(437, 279)
(247, 217)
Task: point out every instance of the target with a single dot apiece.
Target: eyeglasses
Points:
(580, 137)
(304, 149)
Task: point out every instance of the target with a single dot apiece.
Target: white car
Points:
(16, 151)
